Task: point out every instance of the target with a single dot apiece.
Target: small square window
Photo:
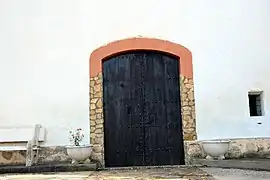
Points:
(255, 103)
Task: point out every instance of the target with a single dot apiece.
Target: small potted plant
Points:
(78, 152)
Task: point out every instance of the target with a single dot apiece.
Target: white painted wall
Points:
(45, 46)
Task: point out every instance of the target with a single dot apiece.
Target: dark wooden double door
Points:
(142, 119)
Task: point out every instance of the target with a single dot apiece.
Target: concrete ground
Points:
(237, 174)
(191, 173)
(231, 168)
(251, 164)
(187, 173)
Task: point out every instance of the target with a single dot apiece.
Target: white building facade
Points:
(45, 49)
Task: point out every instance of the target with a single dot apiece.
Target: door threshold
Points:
(152, 167)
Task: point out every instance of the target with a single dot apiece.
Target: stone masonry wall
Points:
(188, 108)
(96, 119)
(96, 114)
(238, 148)
(47, 155)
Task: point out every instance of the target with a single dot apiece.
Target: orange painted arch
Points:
(185, 56)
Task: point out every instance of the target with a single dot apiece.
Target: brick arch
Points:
(185, 56)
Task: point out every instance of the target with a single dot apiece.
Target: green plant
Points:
(76, 136)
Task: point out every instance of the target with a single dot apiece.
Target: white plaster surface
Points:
(45, 46)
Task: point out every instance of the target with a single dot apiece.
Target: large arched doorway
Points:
(176, 58)
(142, 113)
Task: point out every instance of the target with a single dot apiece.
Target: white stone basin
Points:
(215, 149)
(79, 153)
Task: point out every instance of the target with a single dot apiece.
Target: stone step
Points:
(6, 169)
(248, 164)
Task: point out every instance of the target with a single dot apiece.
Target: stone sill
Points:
(7, 169)
(247, 164)
(154, 167)
(235, 139)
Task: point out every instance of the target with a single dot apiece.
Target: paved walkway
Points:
(237, 174)
(251, 164)
(135, 174)
(149, 174)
